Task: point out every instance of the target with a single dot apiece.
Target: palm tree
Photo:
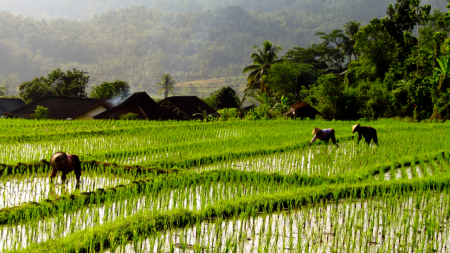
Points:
(350, 29)
(262, 60)
(167, 83)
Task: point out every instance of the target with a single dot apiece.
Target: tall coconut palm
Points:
(350, 29)
(263, 58)
(167, 83)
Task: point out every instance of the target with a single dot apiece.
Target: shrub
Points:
(40, 112)
(129, 116)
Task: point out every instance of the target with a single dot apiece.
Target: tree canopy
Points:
(107, 90)
(71, 83)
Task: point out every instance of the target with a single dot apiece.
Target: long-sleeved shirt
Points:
(322, 135)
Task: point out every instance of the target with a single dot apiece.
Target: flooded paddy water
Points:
(325, 160)
(192, 198)
(17, 190)
(402, 224)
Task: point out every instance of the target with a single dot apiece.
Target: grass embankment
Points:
(94, 166)
(146, 223)
(73, 202)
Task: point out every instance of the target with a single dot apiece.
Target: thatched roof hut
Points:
(186, 106)
(10, 104)
(63, 107)
(139, 103)
(301, 110)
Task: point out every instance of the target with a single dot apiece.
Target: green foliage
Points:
(204, 115)
(348, 45)
(34, 90)
(107, 90)
(262, 60)
(71, 83)
(223, 98)
(285, 79)
(312, 55)
(228, 113)
(377, 100)
(376, 46)
(129, 116)
(331, 48)
(40, 112)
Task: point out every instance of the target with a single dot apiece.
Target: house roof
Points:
(9, 104)
(190, 105)
(146, 105)
(303, 106)
(299, 104)
(62, 107)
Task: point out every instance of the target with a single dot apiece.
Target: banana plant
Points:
(282, 105)
(443, 70)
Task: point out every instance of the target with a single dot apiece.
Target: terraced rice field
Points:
(239, 186)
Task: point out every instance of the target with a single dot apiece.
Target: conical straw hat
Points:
(59, 160)
(354, 128)
(316, 130)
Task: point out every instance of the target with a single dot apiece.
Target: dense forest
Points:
(362, 10)
(138, 44)
(391, 70)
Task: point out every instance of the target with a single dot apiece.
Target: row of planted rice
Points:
(244, 160)
(393, 223)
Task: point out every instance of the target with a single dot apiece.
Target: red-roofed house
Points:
(301, 110)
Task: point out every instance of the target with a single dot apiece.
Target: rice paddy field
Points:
(231, 186)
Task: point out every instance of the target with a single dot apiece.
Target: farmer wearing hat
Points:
(324, 135)
(369, 133)
(65, 163)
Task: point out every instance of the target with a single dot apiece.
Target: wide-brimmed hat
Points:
(354, 128)
(316, 130)
(59, 160)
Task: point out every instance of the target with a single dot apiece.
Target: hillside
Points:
(84, 9)
(138, 44)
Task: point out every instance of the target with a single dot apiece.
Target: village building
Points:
(186, 107)
(301, 110)
(63, 108)
(141, 104)
(10, 104)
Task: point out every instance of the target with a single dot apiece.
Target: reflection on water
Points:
(193, 198)
(324, 160)
(400, 224)
(17, 191)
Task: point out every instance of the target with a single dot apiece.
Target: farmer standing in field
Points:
(324, 135)
(369, 133)
(65, 163)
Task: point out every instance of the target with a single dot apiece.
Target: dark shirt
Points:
(367, 132)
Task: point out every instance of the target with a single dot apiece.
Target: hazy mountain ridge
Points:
(137, 44)
(85, 9)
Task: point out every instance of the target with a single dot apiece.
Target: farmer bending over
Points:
(369, 133)
(65, 163)
(324, 135)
